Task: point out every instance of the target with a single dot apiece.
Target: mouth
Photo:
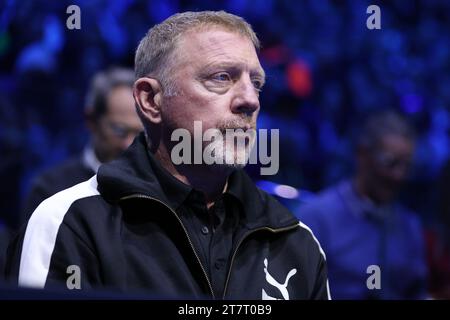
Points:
(243, 128)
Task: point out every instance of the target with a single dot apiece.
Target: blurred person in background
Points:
(113, 123)
(360, 224)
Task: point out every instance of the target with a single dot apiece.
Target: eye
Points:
(221, 76)
(258, 84)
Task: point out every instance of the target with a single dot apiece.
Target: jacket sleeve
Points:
(73, 263)
(321, 288)
(56, 257)
(317, 265)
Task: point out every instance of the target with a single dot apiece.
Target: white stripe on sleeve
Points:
(304, 226)
(42, 229)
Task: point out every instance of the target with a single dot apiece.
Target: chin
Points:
(231, 156)
(235, 158)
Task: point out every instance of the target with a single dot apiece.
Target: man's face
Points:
(116, 129)
(388, 166)
(217, 79)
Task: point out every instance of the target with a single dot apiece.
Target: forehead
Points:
(120, 100)
(201, 48)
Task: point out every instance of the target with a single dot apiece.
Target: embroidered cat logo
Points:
(280, 286)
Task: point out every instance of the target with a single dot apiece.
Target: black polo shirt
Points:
(210, 230)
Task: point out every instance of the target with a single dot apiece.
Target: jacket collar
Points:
(134, 173)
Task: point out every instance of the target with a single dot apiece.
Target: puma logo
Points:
(280, 286)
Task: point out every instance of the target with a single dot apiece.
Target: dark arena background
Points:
(328, 67)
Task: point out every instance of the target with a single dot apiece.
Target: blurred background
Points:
(325, 72)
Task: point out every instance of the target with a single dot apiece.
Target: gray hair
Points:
(101, 85)
(381, 124)
(155, 51)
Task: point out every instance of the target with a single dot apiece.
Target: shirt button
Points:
(205, 230)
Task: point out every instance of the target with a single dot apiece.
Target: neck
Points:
(209, 179)
(363, 190)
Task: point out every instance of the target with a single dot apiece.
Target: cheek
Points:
(181, 111)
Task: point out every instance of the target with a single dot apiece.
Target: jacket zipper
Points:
(184, 229)
(242, 240)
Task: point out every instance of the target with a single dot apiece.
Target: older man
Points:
(192, 229)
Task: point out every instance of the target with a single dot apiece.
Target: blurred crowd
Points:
(326, 74)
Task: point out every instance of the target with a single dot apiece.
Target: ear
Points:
(147, 93)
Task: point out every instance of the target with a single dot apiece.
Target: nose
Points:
(246, 98)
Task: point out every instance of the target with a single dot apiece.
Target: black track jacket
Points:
(116, 232)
